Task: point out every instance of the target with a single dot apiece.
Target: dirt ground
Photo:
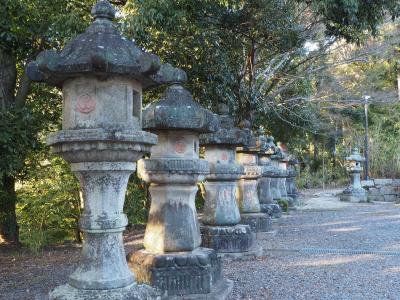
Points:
(301, 259)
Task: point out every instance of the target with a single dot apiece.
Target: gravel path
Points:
(282, 273)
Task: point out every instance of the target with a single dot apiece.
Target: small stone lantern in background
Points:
(221, 230)
(354, 192)
(102, 76)
(265, 149)
(172, 260)
(247, 194)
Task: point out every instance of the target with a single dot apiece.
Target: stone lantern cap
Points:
(355, 156)
(250, 143)
(101, 51)
(177, 111)
(227, 134)
(265, 144)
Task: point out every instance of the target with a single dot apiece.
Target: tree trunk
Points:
(8, 220)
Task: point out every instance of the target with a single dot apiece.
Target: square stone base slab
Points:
(220, 291)
(353, 198)
(272, 209)
(267, 235)
(236, 238)
(258, 222)
(255, 251)
(131, 292)
(178, 273)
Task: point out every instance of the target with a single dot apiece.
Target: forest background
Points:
(300, 69)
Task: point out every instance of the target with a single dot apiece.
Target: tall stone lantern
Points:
(172, 260)
(221, 229)
(265, 149)
(354, 192)
(102, 76)
(247, 194)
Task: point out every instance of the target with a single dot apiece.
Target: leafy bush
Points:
(283, 204)
(49, 206)
(136, 204)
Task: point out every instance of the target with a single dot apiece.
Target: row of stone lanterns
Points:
(102, 76)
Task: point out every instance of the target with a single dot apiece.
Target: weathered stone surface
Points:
(367, 183)
(221, 212)
(253, 252)
(390, 198)
(172, 261)
(181, 273)
(382, 181)
(247, 194)
(176, 110)
(221, 208)
(272, 209)
(354, 192)
(237, 238)
(258, 222)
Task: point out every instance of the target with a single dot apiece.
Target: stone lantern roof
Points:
(100, 51)
(227, 133)
(176, 110)
(250, 142)
(355, 156)
(265, 144)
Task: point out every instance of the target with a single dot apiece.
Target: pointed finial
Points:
(103, 9)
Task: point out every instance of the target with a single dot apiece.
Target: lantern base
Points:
(272, 209)
(236, 238)
(194, 275)
(258, 222)
(131, 292)
(354, 196)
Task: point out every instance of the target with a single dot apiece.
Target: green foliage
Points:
(352, 19)
(284, 204)
(136, 205)
(49, 205)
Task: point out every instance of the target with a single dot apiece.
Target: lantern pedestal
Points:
(195, 273)
(249, 205)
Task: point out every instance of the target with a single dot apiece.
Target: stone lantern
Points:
(102, 75)
(291, 180)
(283, 166)
(247, 194)
(172, 260)
(265, 149)
(221, 229)
(354, 192)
